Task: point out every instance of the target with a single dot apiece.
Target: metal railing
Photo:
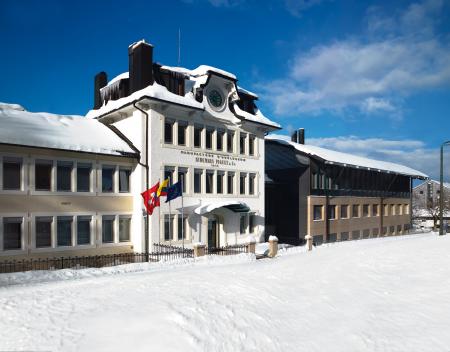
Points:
(226, 250)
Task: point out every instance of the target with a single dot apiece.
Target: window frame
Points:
(24, 234)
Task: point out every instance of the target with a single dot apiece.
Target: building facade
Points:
(333, 196)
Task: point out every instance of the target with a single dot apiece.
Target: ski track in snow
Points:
(388, 294)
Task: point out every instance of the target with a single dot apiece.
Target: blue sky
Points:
(365, 77)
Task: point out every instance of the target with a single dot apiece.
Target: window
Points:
(219, 183)
(168, 174)
(331, 212)
(318, 240)
(385, 210)
(124, 228)
(252, 222)
(251, 145)
(182, 227)
(392, 230)
(84, 177)
(392, 206)
(219, 139)
(12, 233)
(182, 129)
(366, 233)
(421, 192)
(406, 228)
(182, 173)
(406, 209)
(108, 228)
(198, 129)
(399, 229)
(230, 182)
(355, 211)
(375, 232)
(12, 173)
(399, 209)
(43, 231)
(209, 181)
(168, 131)
(242, 138)
(251, 184)
(365, 210)
(209, 137)
(384, 230)
(83, 230)
(374, 209)
(230, 141)
(124, 180)
(198, 181)
(344, 236)
(242, 180)
(332, 237)
(64, 231)
(344, 211)
(43, 175)
(108, 179)
(243, 223)
(317, 212)
(355, 235)
(315, 180)
(64, 176)
(168, 227)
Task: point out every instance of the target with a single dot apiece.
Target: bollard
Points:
(309, 242)
(273, 246)
(199, 249)
(251, 245)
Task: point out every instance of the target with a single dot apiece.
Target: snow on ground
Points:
(386, 294)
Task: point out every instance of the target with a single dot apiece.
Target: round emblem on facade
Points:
(215, 98)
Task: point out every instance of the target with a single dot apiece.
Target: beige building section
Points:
(28, 203)
(375, 217)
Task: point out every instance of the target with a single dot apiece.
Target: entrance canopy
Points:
(233, 205)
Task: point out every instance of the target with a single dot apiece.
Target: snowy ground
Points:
(388, 294)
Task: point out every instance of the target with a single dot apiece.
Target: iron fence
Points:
(227, 250)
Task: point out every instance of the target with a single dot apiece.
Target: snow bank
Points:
(68, 132)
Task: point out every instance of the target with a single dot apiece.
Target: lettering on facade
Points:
(215, 160)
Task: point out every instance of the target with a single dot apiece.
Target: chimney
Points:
(100, 81)
(140, 64)
(298, 136)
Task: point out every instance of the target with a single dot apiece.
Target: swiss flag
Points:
(151, 200)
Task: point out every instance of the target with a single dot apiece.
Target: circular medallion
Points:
(215, 98)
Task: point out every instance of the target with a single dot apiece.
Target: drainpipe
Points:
(147, 182)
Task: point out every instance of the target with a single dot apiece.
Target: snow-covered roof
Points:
(258, 117)
(209, 207)
(123, 75)
(348, 160)
(67, 132)
(201, 70)
(245, 91)
(155, 91)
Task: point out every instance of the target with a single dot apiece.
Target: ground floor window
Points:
(64, 231)
(318, 240)
(108, 228)
(12, 233)
(317, 212)
(375, 232)
(332, 237)
(124, 228)
(84, 230)
(344, 236)
(366, 233)
(44, 231)
(355, 234)
(168, 227)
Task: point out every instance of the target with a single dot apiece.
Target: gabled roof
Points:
(446, 184)
(65, 132)
(348, 160)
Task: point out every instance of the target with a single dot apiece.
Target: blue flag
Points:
(174, 191)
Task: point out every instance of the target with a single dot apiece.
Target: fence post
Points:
(251, 245)
(273, 246)
(309, 242)
(199, 249)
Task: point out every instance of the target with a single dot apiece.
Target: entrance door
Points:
(212, 233)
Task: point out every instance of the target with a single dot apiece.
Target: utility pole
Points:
(441, 192)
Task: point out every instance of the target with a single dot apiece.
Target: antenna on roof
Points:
(179, 46)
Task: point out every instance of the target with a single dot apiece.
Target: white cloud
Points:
(412, 153)
(296, 7)
(398, 56)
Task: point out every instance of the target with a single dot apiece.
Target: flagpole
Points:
(159, 224)
(182, 211)
(170, 218)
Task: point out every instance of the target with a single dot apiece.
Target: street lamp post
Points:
(441, 192)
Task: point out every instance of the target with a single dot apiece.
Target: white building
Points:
(196, 125)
